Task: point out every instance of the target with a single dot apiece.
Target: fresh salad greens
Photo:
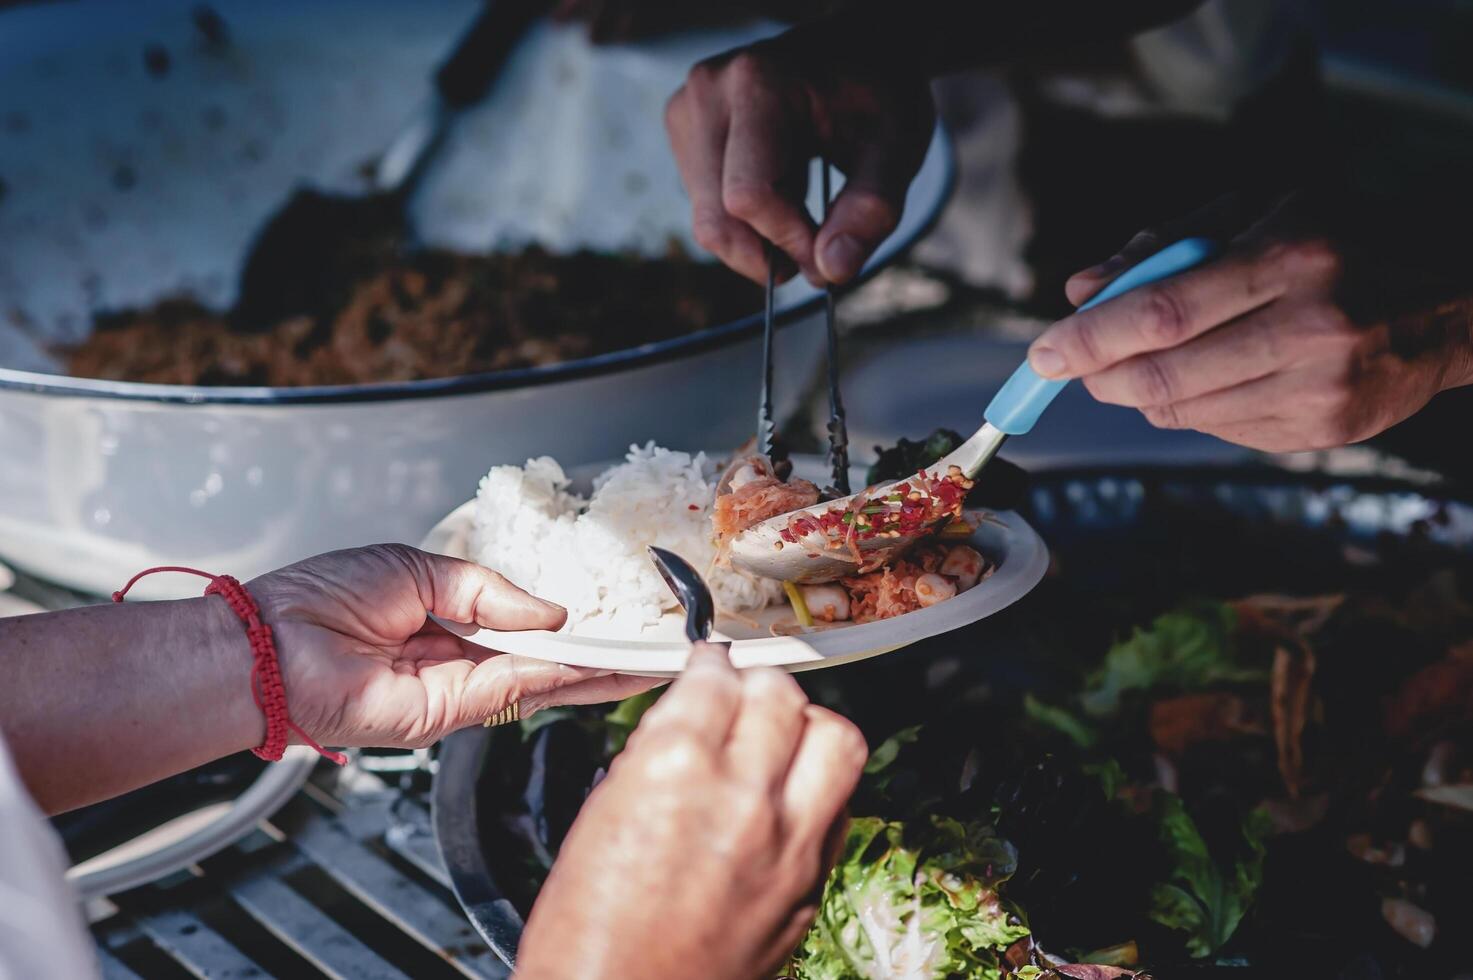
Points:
(1201, 898)
(934, 897)
(622, 721)
(907, 456)
(1188, 649)
(926, 907)
(999, 486)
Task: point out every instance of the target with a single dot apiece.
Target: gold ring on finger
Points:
(507, 715)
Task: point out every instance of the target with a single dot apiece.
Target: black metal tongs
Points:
(767, 437)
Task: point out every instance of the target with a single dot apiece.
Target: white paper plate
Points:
(660, 650)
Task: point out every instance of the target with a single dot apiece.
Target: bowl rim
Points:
(644, 355)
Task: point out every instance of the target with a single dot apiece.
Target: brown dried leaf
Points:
(1020, 954)
(1126, 954)
(1092, 971)
(1292, 674)
(1439, 693)
(1215, 716)
(1295, 615)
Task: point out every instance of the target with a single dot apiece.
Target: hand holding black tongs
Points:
(767, 438)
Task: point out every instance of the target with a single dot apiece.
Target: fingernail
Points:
(1104, 270)
(549, 605)
(842, 257)
(713, 652)
(1046, 361)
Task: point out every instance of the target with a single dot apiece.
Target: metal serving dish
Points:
(1141, 539)
(143, 145)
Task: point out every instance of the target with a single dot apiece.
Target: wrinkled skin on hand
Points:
(1323, 322)
(704, 852)
(744, 127)
(364, 664)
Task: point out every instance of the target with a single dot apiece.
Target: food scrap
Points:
(926, 576)
(750, 492)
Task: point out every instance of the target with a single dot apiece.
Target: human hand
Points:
(744, 127)
(364, 665)
(1298, 336)
(703, 854)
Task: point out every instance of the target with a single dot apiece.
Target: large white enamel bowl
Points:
(121, 186)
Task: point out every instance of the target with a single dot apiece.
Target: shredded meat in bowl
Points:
(433, 314)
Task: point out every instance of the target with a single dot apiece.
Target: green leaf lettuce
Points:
(1185, 650)
(1202, 898)
(913, 910)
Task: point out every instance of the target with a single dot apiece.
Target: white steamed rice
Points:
(589, 554)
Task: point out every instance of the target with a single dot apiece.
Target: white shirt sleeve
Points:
(42, 933)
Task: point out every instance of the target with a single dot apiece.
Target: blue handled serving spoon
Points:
(1013, 411)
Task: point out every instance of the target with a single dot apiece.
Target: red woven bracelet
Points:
(266, 685)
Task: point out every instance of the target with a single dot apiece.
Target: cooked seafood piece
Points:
(827, 603)
(923, 578)
(749, 492)
(884, 593)
(932, 588)
(752, 494)
(963, 564)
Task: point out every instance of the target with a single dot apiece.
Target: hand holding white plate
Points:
(1005, 539)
